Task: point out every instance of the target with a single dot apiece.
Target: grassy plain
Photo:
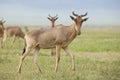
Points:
(97, 57)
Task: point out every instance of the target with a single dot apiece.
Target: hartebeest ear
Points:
(72, 17)
(56, 18)
(85, 19)
(48, 18)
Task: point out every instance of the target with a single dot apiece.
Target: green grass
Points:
(89, 66)
(97, 57)
(97, 40)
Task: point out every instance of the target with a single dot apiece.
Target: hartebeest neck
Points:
(73, 31)
(74, 28)
(53, 24)
(2, 26)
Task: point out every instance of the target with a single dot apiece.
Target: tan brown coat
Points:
(1, 28)
(12, 31)
(58, 37)
(52, 20)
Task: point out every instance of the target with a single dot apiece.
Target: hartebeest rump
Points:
(12, 31)
(52, 20)
(58, 37)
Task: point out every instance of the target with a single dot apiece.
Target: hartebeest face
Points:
(78, 21)
(52, 19)
(2, 22)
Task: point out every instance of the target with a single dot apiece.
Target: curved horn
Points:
(74, 14)
(50, 16)
(56, 16)
(84, 15)
(2, 19)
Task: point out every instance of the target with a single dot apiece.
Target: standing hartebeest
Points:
(9, 31)
(53, 19)
(1, 27)
(12, 31)
(58, 37)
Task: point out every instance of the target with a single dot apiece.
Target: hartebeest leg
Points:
(4, 39)
(72, 56)
(35, 58)
(22, 58)
(58, 48)
(13, 41)
(53, 52)
(14, 38)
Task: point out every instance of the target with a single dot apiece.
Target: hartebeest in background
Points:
(52, 19)
(1, 27)
(58, 37)
(12, 31)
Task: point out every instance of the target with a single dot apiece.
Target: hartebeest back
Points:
(58, 37)
(52, 20)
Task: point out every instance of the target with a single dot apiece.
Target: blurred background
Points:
(35, 12)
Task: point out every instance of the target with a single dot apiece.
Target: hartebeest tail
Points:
(59, 37)
(24, 47)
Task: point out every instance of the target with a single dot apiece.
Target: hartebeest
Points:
(12, 31)
(1, 27)
(58, 37)
(52, 19)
